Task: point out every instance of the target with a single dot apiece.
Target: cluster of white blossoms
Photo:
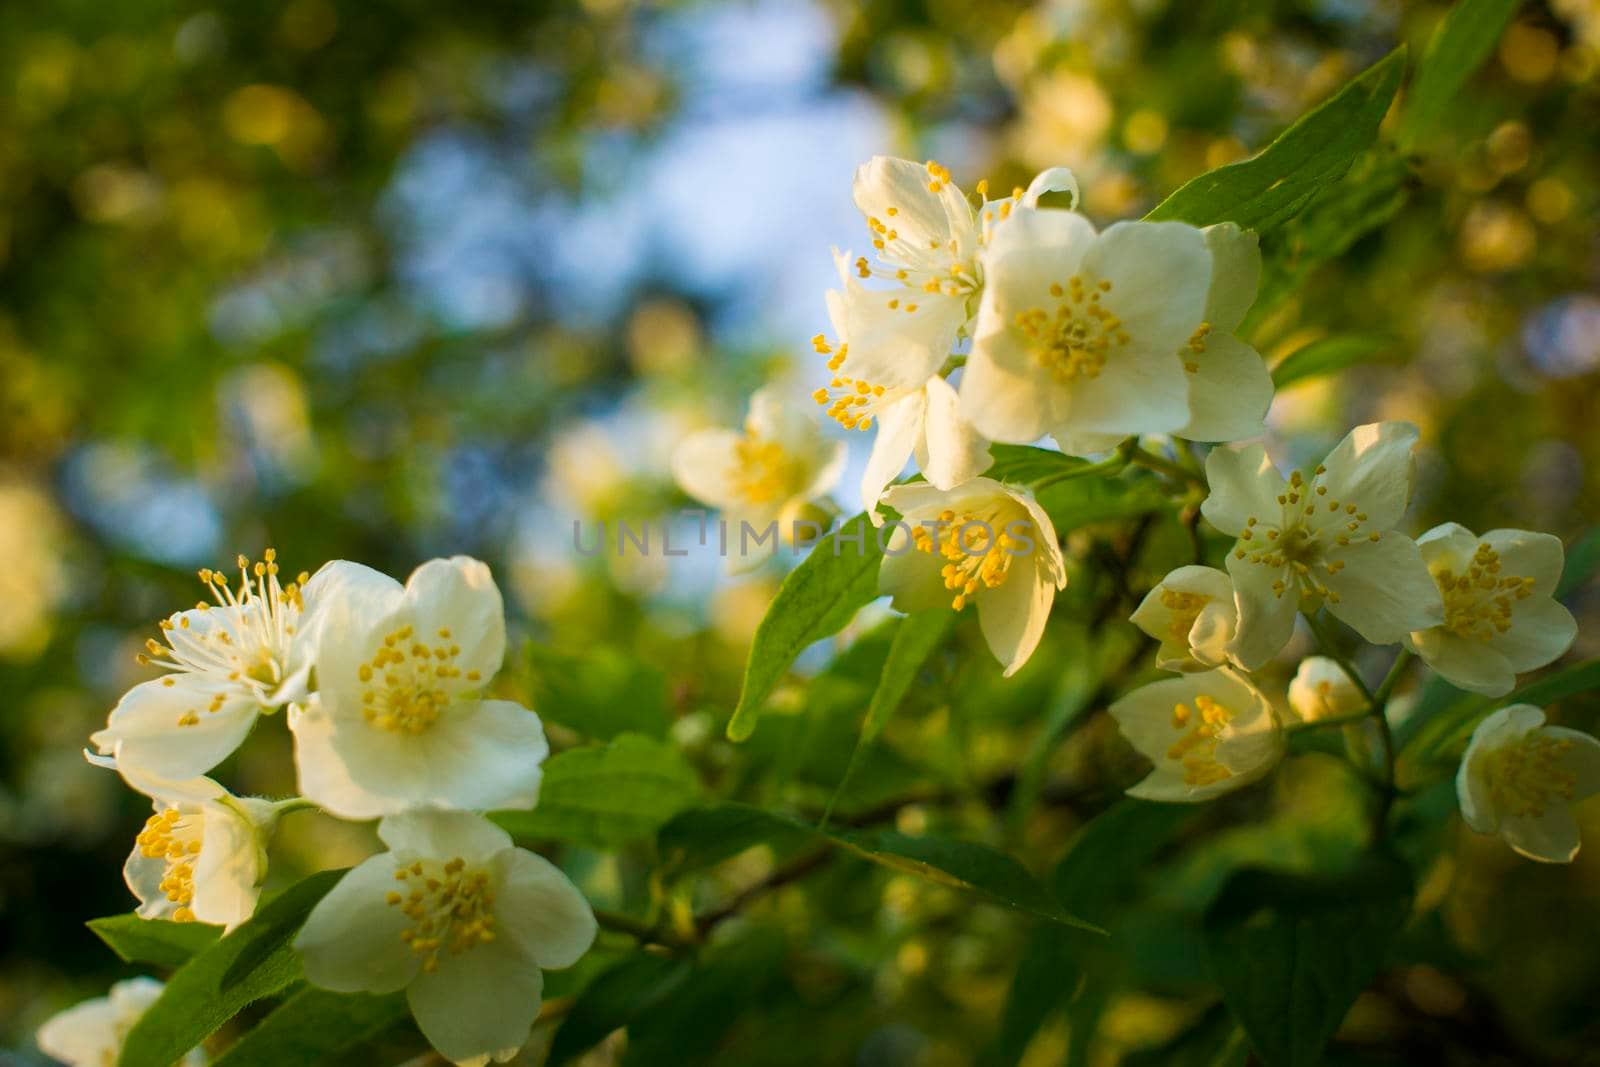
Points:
(974, 321)
(382, 686)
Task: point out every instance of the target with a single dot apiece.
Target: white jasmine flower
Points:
(982, 543)
(1500, 612)
(399, 720)
(1191, 612)
(1329, 538)
(769, 472)
(227, 663)
(1322, 690)
(202, 856)
(91, 1034)
(1090, 337)
(1519, 778)
(460, 919)
(1207, 734)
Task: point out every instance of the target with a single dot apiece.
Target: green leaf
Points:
(689, 1024)
(916, 639)
(1082, 501)
(1452, 715)
(691, 841)
(1327, 356)
(617, 996)
(607, 796)
(314, 1026)
(600, 692)
(1046, 976)
(816, 600)
(1583, 559)
(1109, 852)
(154, 941)
(1027, 463)
(1270, 187)
(1293, 952)
(252, 962)
(1459, 46)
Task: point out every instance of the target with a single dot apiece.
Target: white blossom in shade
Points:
(905, 397)
(461, 920)
(770, 471)
(1191, 612)
(91, 1034)
(1322, 690)
(1230, 387)
(1207, 734)
(1328, 538)
(226, 663)
(1500, 613)
(1086, 336)
(202, 856)
(1519, 778)
(399, 720)
(982, 543)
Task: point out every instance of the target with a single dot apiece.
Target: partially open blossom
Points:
(1191, 612)
(780, 462)
(1322, 690)
(399, 720)
(1328, 538)
(982, 543)
(227, 662)
(1207, 734)
(460, 919)
(1500, 614)
(91, 1034)
(1519, 778)
(901, 392)
(1090, 337)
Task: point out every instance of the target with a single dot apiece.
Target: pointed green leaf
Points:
(1328, 356)
(1459, 47)
(314, 1026)
(154, 941)
(616, 997)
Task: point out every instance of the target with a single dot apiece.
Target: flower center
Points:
(1526, 775)
(977, 547)
(1311, 526)
(1185, 608)
(762, 471)
(937, 266)
(1477, 604)
(171, 837)
(845, 397)
(1073, 340)
(450, 908)
(1196, 750)
(246, 636)
(406, 683)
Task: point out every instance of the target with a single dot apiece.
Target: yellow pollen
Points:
(978, 550)
(762, 471)
(1527, 774)
(407, 683)
(450, 908)
(1071, 341)
(1478, 604)
(1196, 750)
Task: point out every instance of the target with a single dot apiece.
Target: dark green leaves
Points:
(607, 796)
(629, 989)
(1328, 356)
(817, 599)
(1261, 192)
(314, 1026)
(698, 838)
(154, 941)
(1583, 559)
(254, 961)
(914, 641)
(1459, 47)
(600, 692)
(1292, 952)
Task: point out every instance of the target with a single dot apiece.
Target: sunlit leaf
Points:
(1328, 356)
(1459, 47)
(154, 941)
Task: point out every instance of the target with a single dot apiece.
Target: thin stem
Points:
(1319, 629)
(1375, 710)
(638, 929)
(1397, 671)
(1112, 464)
(1160, 463)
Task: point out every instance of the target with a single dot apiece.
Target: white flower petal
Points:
(1013, 615)
(1052, 180)
(1003, 396)
(1449, 544)
(1266, 620)
(538, 907)
(351, 941)
(1248, 746)
(951, 451)
(1139, 391)
(1244, 485)
(898, 337)
(1528, 554)
(359, 591)
(911, 577)
(1160, 273)
(1551, 837)
(1470, 665)
(703, 466)
(1581, 760)
(1385, 590)
(899, 427)
(1322, 690)
(1372, 469)
(231, 866)
(922, 216)
(143, 876)
(86, 1034)
(144, 728)
(1235, 275)
(443, 835)
(1228, 394)
(480, 1004)
(456, 604)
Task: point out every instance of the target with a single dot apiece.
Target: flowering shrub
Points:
(975, 328)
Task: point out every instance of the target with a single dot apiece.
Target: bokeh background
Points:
(385, 280)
